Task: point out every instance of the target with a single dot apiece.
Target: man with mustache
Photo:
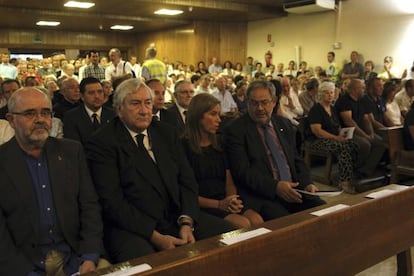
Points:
(264, 162)
(146, 186)
(49, 212)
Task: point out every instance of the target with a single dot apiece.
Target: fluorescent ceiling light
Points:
(168, 12)
(122, 27)
(48, 23)
(81, 5)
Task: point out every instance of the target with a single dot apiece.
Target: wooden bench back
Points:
(340, 243)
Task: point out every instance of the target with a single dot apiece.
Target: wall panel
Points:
(189, 44)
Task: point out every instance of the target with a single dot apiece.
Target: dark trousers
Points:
(277, 207)
(123, 245)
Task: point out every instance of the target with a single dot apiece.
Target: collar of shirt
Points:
(90, 112)
(134, 134)
(181, 110)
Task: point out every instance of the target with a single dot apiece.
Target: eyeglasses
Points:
(188, 92)
(256, 104)
(31, 114)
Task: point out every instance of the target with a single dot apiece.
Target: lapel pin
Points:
(281, 129)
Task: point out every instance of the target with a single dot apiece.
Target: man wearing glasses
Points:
(263, 158)
(176, 114)
(49, 212)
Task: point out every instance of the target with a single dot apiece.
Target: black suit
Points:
(3, 112)
(139, 196)
(163, 113)
(174, 118)
(64, 106)
(252, 170)
(75, 200)
(78, 125)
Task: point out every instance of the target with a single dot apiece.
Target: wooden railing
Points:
(341, 243)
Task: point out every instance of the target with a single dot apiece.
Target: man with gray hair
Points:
(264, 162)
(146, 186)
(118, 69)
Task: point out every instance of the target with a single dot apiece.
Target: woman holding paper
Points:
(324, 135)
(217, 192)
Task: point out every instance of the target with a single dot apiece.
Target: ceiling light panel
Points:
(122, 27)
(168, 12)
(80, 5)
(48, 23)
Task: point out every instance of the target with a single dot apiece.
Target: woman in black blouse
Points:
(217, 192)
(324, 135)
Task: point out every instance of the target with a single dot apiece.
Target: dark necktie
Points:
(141, 146)
(185, 116)
(284, 174)
(95, 122)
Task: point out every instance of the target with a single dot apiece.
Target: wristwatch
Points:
(188, 224)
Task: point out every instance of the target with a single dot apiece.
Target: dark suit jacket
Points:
(163, 115)
(174, 118)
(3, 112)
(77, 124)
(249, 163)
(62, 107)
(130, 198)
(75, 199)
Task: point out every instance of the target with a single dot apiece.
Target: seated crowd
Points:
(156, 156)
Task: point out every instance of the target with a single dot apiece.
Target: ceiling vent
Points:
(309, 6)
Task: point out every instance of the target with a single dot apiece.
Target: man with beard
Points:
(49, 212)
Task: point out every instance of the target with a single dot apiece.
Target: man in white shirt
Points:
(7, 70)
(119, 68)
(289, 103)
(215, 67)
(405, 97)
(136, 66)
(228, 105)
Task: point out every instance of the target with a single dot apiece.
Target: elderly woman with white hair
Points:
(324, 135)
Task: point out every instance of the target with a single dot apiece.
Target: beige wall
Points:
(375, 28)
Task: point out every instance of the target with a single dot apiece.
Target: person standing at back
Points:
(353, 69)
(119, 69)
(153, 68)
(94, 69)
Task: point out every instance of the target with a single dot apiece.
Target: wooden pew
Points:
(393, 137)
(401, 160)
(341, 243)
